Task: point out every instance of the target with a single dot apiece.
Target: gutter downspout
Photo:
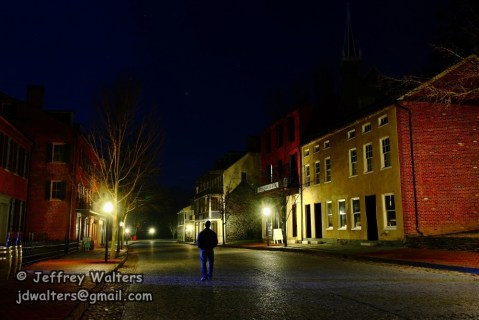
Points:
(416, 213)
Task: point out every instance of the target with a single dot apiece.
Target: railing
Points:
(44, 250)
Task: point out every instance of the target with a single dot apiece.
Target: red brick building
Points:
(14, 168)
(60, 186)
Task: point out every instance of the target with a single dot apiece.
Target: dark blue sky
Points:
(207, 65)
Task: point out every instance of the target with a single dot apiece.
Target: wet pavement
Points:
(67, 272)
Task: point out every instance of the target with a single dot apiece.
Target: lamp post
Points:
(266, 213)
(127, 231)
(107, 209)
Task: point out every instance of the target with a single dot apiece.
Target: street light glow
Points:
(266, 211)
(108, 207)
(151, 231)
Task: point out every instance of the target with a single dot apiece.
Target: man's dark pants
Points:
(207, 255)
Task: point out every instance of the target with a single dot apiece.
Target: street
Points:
(259, 284)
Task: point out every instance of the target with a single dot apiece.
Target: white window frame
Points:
(368, 157)
(329, 215)
(327, 144)
(327, 170)
(342, 214)
(353, 162)
(307, 175)
(383, 120)
(306, 152)
(386, 204)
(351, 134)
(366, 127)
(317, 172)
(354, 214)
(386, 157)
(316, 148)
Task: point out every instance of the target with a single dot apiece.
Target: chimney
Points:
(35, 96)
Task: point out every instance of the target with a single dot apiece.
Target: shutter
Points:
(49, 152)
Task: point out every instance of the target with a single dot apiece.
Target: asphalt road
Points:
(256, 284)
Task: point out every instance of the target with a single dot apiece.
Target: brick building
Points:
(60, 184)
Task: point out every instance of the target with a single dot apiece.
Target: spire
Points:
(350, 52)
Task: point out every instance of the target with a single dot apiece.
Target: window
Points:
(327, 144)
(306, 152)
(342, 214)
(291, 129)
(58, 152)
(316, 148)
(390, 211)
(307, 175)
(56, 190)
(329, 213)
(385, 153)
(368, 157)
(327, 167)
(353, 162)
(279, 136)
(317, 172)
(366, 127)
(351, 134)
(383, 120)
(356, 212)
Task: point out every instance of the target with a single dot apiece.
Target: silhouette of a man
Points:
(207, 240)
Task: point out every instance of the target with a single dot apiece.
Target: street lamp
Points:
(107, 209)
(151, 232)
(266, 213)
(127, 231)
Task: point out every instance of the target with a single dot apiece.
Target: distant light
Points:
(151, 231)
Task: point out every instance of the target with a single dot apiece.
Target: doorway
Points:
(308, 220)
(371, 218)
(318, 221)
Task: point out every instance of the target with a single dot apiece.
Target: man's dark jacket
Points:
(207, 239)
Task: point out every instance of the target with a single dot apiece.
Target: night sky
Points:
(209, 66)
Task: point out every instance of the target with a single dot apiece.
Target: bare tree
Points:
(127, 141)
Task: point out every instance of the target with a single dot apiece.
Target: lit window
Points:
(390, 211)
(385, 153)
(356, 213)
(342, 214)
(351, 134)
(353, 162)
(383, 120)
(368, 157)
(317, 172)
(329, 212)
(366, 127)
(327, 167)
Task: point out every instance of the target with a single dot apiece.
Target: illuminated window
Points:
(327, 168)
(329, 213)
(342, 214)
(356, 213)
(385, 153)
(366, 127)
(383, 120)
(390, 211)
(317, 172)
(353, 162)
(368, 157)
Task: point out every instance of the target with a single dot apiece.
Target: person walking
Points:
(207, 240)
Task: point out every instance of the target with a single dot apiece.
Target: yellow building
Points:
(351, 186)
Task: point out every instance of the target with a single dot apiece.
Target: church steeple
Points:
(350, 51)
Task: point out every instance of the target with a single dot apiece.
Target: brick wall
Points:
(446, 161)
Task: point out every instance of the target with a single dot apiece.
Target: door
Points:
(308, 220)
(371, 218)
(318, 221)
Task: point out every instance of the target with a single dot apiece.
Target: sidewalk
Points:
(462, 261)
(74, 265)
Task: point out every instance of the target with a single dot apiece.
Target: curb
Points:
(81, 307)
(366, 257)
